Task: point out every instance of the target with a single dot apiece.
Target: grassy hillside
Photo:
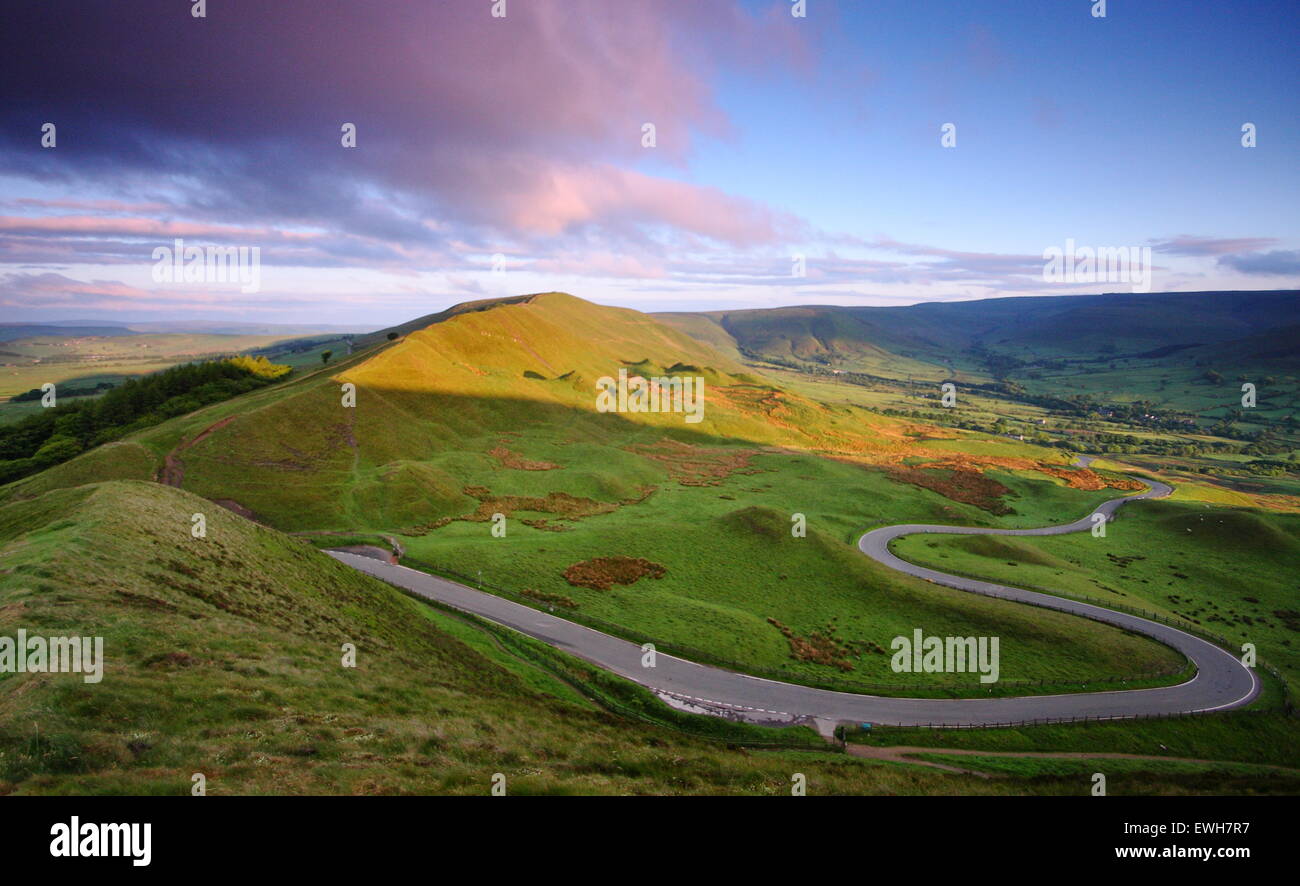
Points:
(225, 650)
(223, 657)
(491, 411)
(1160, 375)
(1230, 571)
(939, 332)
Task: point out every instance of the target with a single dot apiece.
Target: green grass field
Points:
(26, 364)
(1131, 777)
(1242, 736)
(815, 583)
(1230, 572)
(424, 459)
(229, 644)
(223, 657)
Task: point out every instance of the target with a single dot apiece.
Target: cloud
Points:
(523, 128)
(1188, 245)
(1279, 262)
(55, 290)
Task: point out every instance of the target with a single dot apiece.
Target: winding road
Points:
(1221, 681)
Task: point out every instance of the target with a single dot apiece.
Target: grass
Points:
(1131, 777)
(223, 657)
(809, 584)
(1229, 571)
(1241, 736)
(30, 363)
(225, 650)
(421, 458)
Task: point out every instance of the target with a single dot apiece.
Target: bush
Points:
(57, 449)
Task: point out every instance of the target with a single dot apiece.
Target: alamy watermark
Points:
(946, 655)
(77, 839)
(209, 264)
(1103, 264)
(53, 655)
(683, 393)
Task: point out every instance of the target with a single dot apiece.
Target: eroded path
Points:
(173, 469)
(908, 754)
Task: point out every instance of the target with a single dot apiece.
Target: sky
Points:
(796, 158)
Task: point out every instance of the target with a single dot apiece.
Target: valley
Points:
(476, 453)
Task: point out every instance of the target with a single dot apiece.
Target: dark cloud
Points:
(1279, 262)
(1188, 245)
(529, 124)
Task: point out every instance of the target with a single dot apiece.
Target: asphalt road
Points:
(1221, 681)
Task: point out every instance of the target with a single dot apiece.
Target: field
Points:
(223, 657)
(818, 584)
(636, 523)
(1242, 737)
(26, 364)
(1228, 571)
(437, 445)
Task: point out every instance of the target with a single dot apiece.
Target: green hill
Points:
(492, 410)
(223, 652)
(223, 657)
(1026, 327)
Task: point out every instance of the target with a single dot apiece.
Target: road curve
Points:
(1221, 681)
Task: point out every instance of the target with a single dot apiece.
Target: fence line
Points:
(1049, 721)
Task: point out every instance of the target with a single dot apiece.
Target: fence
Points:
(1054, 721)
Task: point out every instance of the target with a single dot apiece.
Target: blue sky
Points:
(521, 138)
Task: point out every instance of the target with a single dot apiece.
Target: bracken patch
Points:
(968, 487)
(565, 506)
(510, 459)
(602, 573)
(819, 647)
(697, 465)
(1088, 479)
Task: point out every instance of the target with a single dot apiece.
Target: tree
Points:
(325, 356)
(392, 336)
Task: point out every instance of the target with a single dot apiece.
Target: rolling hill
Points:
(225, 649)
(1026, 327)
(491, 410)
(224, 656)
